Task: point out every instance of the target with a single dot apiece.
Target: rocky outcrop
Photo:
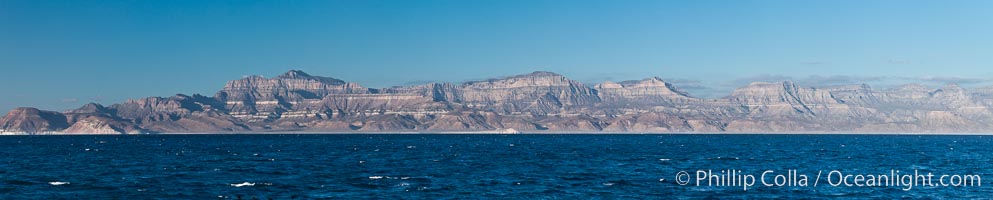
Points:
(535, 102)
(94, 118)
(261, 97)
(651, 91)
(536, 93)
(32, 120)
(101, 125)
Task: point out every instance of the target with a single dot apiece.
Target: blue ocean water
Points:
(412, 166)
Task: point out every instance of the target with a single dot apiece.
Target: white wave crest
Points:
(58, 183)
(243, 184)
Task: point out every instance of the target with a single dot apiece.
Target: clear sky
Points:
(61, 54)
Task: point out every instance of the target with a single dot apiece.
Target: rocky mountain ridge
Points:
(537, 102)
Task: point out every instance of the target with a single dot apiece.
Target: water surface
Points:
(467, 166)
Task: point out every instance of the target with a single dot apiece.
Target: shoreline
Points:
(502, 133)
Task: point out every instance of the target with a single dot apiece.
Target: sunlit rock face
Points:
(260, 96)
(536, 102)
(536, 93)
(651, 91)
(94, 118)
(32, 120)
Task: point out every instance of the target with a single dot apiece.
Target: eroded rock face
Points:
(95, 124)
(32, 120)
(651, 91)
(535, 102)
(255, 94)
(94, 118)
(535, 93)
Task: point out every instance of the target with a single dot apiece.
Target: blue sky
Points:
(61, 54)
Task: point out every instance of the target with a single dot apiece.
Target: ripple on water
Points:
(484, 166)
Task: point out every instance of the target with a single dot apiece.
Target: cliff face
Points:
(651, 91)
(32, 120)
(260, 96)
(537, 93)
(535, 102)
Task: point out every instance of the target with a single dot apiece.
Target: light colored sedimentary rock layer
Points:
(535, 102)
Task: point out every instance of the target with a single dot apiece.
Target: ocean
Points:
(466, 166)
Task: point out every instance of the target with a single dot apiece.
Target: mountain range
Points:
(539, 102)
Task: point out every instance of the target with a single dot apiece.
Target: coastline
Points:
(501, 133)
